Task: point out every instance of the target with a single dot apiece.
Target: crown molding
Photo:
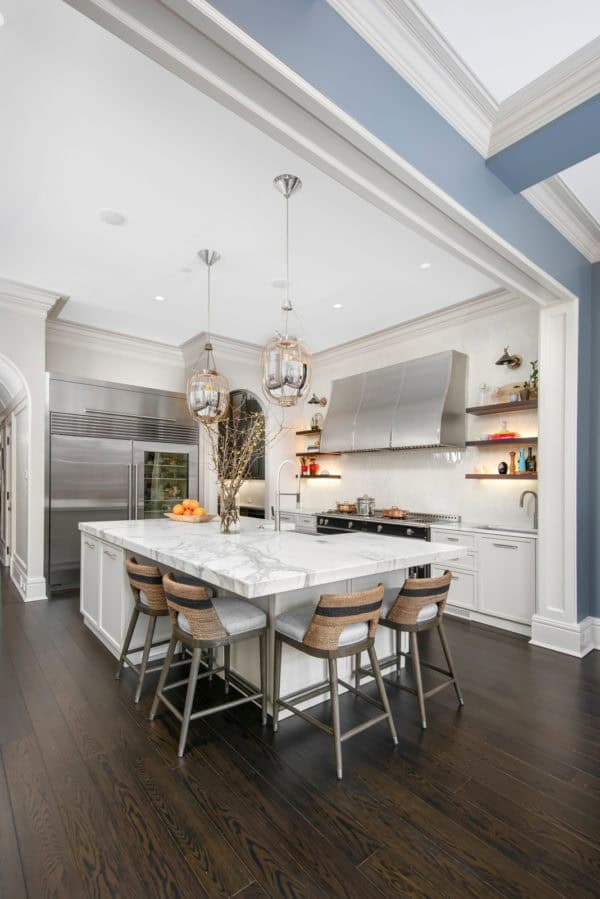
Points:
(559, 205)
(409, 41)
(225, 348)
(482, 306)
(25, 298)
(560, 89)
(77, 336)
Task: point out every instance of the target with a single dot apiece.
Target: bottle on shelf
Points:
(512, 468)
(522, 461)
(531, 461)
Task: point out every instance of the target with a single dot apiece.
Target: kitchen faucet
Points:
(535, 505)
(279, 494)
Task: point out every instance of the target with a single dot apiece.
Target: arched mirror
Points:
(243, 404)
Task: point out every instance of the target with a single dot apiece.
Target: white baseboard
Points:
(479, 617)
(567, 637)
(31, 589)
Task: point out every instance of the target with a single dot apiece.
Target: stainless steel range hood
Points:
(410, 405)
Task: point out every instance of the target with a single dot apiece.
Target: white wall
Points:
(426, 480)
(106, 356)
(22, 345)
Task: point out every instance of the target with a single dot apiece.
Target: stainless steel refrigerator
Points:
(115, 453)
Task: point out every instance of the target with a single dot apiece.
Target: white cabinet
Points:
(494, 582)
(507, 577)
(112, 573)
(90, 577)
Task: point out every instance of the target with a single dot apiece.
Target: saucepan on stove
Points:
(348, 508)
(365, 505)
(395, 512)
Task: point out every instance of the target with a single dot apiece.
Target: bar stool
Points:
(342, 624)
(200, 623)
(418, 606)
(149, 599)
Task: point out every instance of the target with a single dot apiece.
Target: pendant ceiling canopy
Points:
(285, 362)
(207, 390)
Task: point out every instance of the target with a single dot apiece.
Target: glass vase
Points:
(230, 513)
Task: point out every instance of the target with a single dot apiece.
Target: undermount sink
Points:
(490, 527)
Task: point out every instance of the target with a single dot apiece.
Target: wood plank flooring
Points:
(501, 798)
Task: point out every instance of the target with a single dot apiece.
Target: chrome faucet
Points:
(279, 494)
(535, 505)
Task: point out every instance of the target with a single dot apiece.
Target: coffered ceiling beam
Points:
(563, 142)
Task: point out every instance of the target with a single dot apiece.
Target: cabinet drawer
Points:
(463, 589)
(307, 522)
(451, 537)
(468, 561)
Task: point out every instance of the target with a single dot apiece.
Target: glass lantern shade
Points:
(285, 371)
(207, 395)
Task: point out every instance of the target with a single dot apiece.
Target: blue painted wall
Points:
(313, 40)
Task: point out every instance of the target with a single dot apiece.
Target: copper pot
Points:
(348, 508)
(395, 512)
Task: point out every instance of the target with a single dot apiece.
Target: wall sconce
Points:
(511, 360)
(317, 401)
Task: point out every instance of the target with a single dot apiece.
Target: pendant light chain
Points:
(208, 267)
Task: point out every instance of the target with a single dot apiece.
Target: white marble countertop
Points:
(258, 561)
(471, 528)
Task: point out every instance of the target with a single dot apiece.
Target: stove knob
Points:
(350, 524)
(326, 521)
(379, 528)
(409, 532)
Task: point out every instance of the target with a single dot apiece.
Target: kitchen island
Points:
(276, 571)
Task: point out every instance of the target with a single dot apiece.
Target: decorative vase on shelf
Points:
(230, 513)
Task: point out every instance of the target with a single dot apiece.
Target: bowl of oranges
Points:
(189, 511)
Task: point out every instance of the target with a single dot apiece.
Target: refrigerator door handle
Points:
(135, 491)
(129, 488)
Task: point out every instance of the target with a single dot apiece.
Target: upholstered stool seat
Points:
(203, 623)
(418, 605)
(342, 624)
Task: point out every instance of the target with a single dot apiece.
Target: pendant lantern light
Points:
(285, 363)
(207, 390)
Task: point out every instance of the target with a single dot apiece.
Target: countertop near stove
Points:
(260, 562)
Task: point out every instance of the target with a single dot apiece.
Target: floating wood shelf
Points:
(526, 476)
(497, 408)
(308, 433)
(502, 440)
(315, 477)
(317, 453)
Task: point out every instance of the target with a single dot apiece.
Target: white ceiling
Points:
(510, 43)
(584, 180)
(92, 124)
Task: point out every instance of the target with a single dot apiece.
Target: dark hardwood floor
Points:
(499, 799)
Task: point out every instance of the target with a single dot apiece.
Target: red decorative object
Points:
(313, 467)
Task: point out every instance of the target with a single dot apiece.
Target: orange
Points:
(199, 511)
(178, 509)
(187, 503)
(188, 512)
(194, 504)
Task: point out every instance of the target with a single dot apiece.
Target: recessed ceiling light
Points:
(337, 305)
(425, 265)
(186, 270)
(159, 299)
(111, 217)
(279, 282)
(1, 20)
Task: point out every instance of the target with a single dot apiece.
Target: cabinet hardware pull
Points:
(455, 577)
(506, 545)
(107, 552)
(91, 545)
(452, 539)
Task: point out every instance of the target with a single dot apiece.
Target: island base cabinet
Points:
(463, 589)
(507, 578)
(113, 588)
(90, 578)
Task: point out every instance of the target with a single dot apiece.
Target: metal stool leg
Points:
(357, 671)
(163, 676)
(263, 678)
(449, 662)
(335, 707)
(416, 660)
(189, 700)
(145, 655)
(226, 665)
(382, 694)
(211, 665)
(398, 654)
(130, 629)
(276, 681)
